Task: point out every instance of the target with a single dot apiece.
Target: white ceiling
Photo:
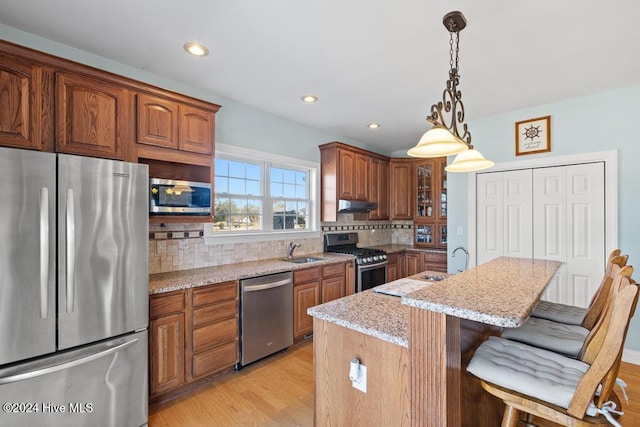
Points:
(367, 60)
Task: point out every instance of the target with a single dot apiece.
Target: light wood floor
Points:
(278, 391)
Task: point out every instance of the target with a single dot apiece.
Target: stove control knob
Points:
(383, 256)
(368, 259)
(359, 261)
(376, 258)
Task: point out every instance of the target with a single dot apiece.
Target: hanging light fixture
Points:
(442, 139)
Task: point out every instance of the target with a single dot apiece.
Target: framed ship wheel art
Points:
(533, 136)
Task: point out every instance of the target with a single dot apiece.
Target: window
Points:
(262, 194)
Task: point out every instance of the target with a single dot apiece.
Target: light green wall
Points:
(236, 123)
(603, 121)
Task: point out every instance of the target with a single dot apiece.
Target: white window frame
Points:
(273, 160)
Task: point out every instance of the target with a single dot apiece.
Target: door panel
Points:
(27, 258)
(504, 215)
(102, 248)
(569, 215)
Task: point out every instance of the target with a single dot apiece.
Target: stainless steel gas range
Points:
(371, 264)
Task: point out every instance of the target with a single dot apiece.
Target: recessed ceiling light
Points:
(309, 98)
(373, 125)
(196, 49)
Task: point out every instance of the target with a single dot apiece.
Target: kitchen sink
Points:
(302, 260)
(433, 278)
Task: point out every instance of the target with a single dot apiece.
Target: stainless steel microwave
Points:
(173, 197)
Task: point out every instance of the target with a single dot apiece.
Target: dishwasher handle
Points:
(277, 284)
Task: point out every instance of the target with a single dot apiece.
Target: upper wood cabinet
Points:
(379, 187)
(92, 117)
(346, 175)
(25, 110)
(401, 184)
(170, 124)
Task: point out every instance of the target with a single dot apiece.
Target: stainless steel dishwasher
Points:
(266, 325)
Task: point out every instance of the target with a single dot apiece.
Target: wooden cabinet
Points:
(401, 184)
(345, 175)
(215, 328)
(435, 261)
(431, 203)
(353, 169)
(392, 267)
(167, 123)
(379, 188)
(414, 263)
(26, 94)
(192, 334)
(313, 286)
(167, 342)
(93, 117)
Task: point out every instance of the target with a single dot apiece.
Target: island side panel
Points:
(337, 403)
(442, 392)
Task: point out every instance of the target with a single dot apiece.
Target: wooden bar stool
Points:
(548, 385)
(562, 338)
(579, 316)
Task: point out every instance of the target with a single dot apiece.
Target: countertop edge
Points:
(160, 283)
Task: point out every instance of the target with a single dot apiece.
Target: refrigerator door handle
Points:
(66, 365)
(44, 252)
(70, 247)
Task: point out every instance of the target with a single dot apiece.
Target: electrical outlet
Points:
(361, 384)
(460, 232)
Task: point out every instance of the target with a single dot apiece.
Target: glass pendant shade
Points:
(438, 142)
(469, 161)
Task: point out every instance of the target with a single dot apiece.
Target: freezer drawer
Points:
(100, 385)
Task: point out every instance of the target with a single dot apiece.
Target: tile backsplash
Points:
(175, 247)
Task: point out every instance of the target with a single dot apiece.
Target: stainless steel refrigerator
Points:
(73, 290)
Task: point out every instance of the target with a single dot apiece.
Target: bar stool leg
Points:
(510, 418)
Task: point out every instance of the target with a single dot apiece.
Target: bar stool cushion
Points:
(553, 336)
(561, 313)
(528, 370)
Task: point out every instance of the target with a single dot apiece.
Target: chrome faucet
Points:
(466, 252)
(291, 247)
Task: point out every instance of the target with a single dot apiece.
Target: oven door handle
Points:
(372, 266)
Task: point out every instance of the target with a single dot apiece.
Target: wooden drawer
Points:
(215, 312)
(215, 359)
(333, 270)
(306, 275)
(215, 293)
(162, 304)
(215, 334)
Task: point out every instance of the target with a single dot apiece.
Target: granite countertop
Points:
(501, 292)
(184, 279)
(381, 316)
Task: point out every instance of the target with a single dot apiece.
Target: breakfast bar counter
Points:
(417, 346)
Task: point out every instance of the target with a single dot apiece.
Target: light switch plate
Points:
(361, 384)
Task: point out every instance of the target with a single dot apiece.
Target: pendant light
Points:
(442, 139)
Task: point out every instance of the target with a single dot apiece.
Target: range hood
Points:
(355, 206)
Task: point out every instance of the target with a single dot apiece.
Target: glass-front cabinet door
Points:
(443, 189)
(425, 190)
(431, 203)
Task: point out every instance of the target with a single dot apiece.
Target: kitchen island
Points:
(416, 348)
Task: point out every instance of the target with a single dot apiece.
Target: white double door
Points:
(555, 213)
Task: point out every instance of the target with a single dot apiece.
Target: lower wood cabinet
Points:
(193, 334)
(215, 328)
(167, 342)
(435, 261)
(313, 286)
(415, 263)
